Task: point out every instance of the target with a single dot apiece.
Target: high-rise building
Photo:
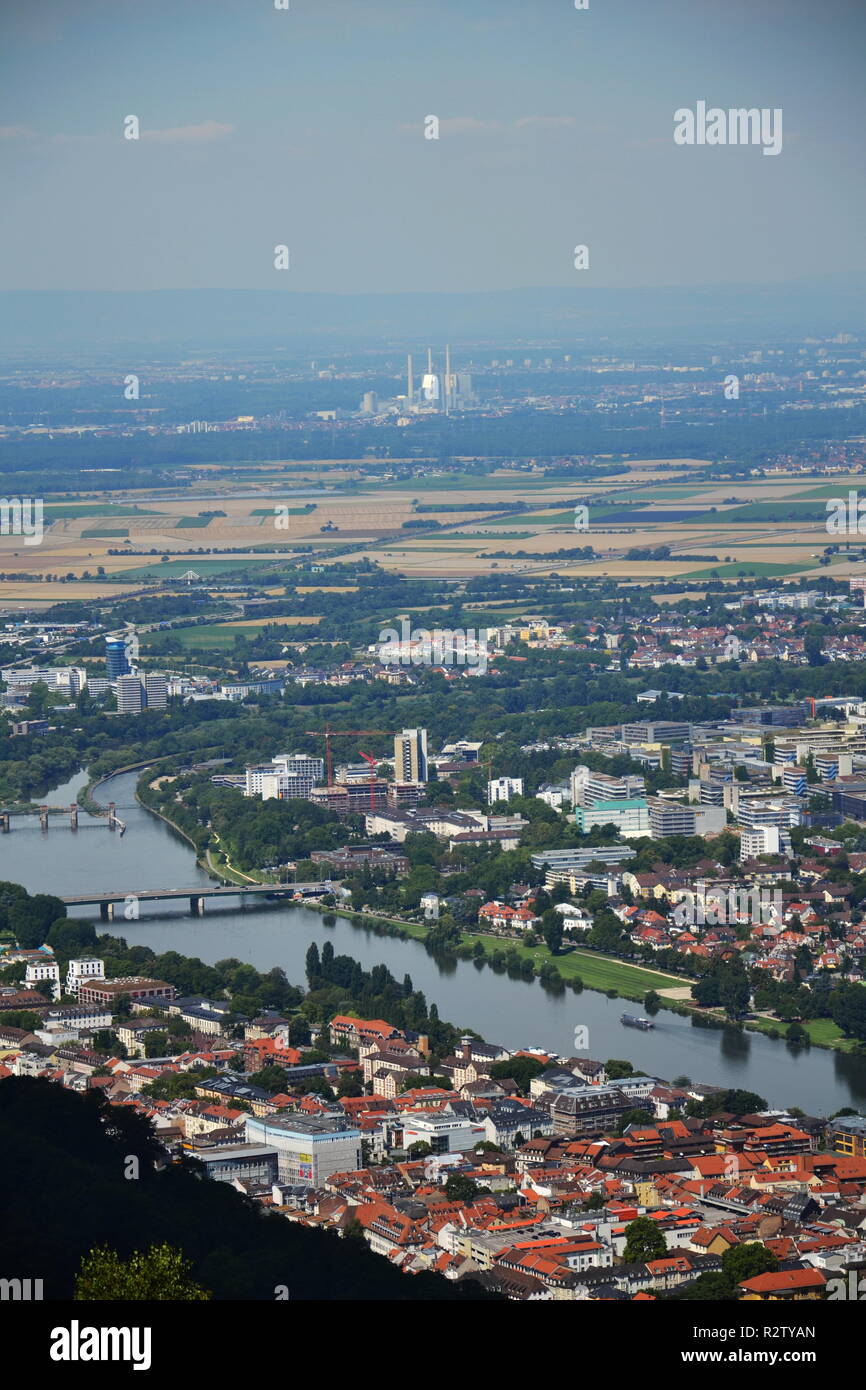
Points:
(155, 691)
(116, 663)
(136, 693)
(131, 695)
(410, 756)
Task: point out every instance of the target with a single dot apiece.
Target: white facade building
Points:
(503, 789)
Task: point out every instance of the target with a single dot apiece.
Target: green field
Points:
(197, 521)
(289, 511)
(204, 567)
(61, 511)
(217, 636)
(782, 510)
(763, 569)
(104, 533)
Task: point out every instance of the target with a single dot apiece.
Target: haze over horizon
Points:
(305, 127)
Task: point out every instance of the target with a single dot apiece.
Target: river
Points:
(515, 1013)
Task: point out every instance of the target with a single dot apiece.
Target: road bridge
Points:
(107, 899)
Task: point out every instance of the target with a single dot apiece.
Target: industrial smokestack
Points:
(447, 378)
(410, 380)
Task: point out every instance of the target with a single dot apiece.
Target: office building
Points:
(131, 695)
(656, 731)
(155, 691)
(289, 777)
(66, 680)
(443, 1132)
(576, 860)
(629, 817)
(591, 788)
(116, 661)
(782, 812)
(410, 756)
(247, 1163)
(136, 693)
(309, 1147)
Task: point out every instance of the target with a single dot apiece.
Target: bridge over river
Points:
(107, 899)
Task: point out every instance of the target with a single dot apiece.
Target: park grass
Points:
(597, 972)
(822, 1031)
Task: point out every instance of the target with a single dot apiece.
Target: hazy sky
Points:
(306, 127)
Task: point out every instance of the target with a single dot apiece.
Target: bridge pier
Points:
(43, 818)
(4, 822)
(112, 818)
(196, 905)
(106, 912)
(73, 816)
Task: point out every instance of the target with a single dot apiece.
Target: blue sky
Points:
(305, 127)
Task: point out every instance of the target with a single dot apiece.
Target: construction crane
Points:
(373, 763)
(328, 733)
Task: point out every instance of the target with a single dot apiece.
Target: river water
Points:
(515, 1013)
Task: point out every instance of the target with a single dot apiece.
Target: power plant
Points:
(446, 392)
(439, 392)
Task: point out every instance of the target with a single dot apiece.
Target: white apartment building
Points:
(503, 789)
(38, 974)
(83, 969)
(764, 839)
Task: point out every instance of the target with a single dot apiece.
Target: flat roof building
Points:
(309, 1147)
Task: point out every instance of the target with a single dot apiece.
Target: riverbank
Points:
(619, 979)
(596, 972)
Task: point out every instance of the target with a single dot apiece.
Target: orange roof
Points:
(784, 1279)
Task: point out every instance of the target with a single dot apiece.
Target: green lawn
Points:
(597, 972)
(822, 1031)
